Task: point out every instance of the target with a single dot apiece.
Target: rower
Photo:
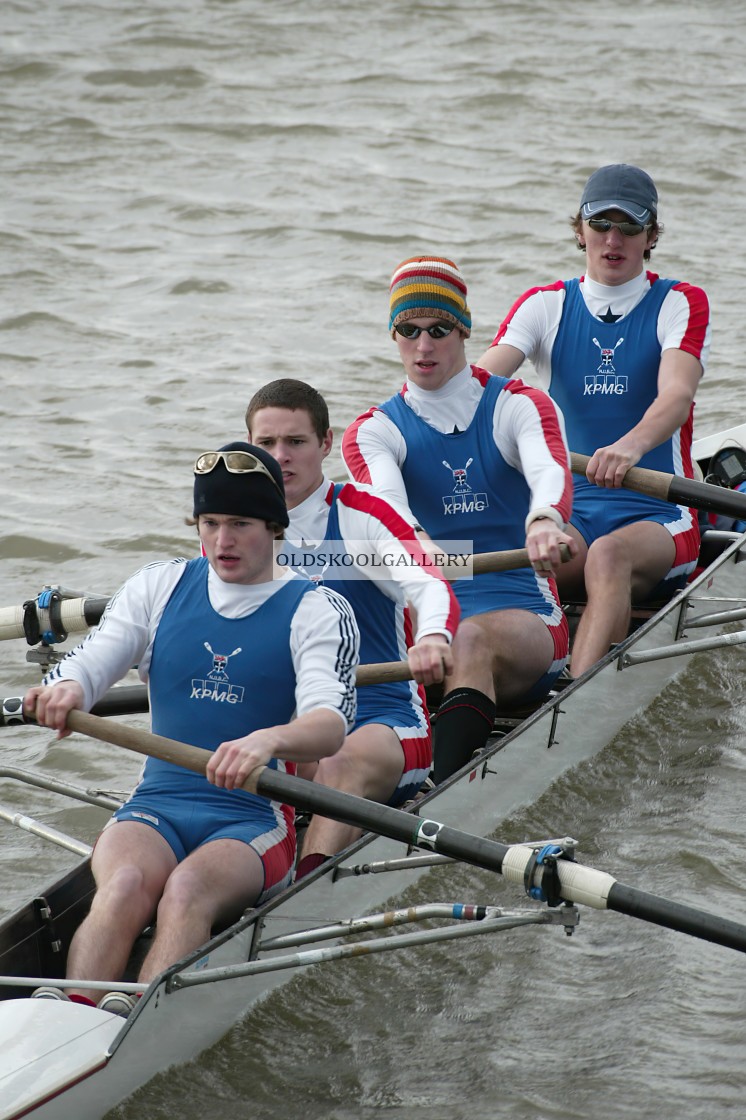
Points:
(622, 351)
(231, 647)
(388, 755)
(480, 459)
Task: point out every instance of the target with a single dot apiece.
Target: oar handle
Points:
(129, 700)
(76, 615)
(506, 561)
(675, 489)
(142, 742)
(385, 672)
(154, 746)
(655, 484)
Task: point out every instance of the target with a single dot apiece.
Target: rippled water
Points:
(199, 197)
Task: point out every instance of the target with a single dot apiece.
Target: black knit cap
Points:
(250, 494)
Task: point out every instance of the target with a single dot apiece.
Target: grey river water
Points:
(198, 197)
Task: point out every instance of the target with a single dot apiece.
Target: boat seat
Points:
(713, 544)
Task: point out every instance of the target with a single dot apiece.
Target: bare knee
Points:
(606, 549)
(337, 770)
(126, 895)
(472, 642)
(124, 883)
(369, 764)
(608, 559)
(182, 894)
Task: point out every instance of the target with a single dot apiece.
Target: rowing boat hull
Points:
(102, 1062)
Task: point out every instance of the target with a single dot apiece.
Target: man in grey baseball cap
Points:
(620, 186)
(621, 350)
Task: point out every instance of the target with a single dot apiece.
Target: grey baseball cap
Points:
(620, 186)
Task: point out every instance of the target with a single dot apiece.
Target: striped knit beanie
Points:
(429, 287)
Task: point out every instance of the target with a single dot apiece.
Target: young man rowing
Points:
(479, 458)
(388, 755)
(622, 350)
(232, 649)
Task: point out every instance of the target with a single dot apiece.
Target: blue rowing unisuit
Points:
(461, 488)
(214, 678)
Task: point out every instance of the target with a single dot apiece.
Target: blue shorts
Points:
(188, 825)
(519, 590)
(596, 512)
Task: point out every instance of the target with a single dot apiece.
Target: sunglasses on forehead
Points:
(629, 229)
(437, 330)
(235, 462)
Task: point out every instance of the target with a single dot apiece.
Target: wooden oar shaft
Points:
(505, 561)
(142, 742)
(385, 672)
(679, 491)
(130, 700)
(653, 483)
(577, 882)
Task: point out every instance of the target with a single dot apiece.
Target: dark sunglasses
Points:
(236, 462)
(437, 330)
(629, 229)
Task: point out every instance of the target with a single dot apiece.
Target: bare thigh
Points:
(369, 763)
(126, 848)
(642, 554)
(505, 650)
(219, 879)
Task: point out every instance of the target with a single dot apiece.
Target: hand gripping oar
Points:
(672, 488)
(518, 863)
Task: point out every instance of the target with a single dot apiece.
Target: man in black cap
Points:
(622, 351)
(232, 648)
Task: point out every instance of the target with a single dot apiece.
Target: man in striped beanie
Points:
(482, 461)
(429, 286)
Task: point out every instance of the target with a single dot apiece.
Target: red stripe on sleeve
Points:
(377, 507)
(556, 287)
(699, 317)
(552, 438)
(351, 453)
(481, 375)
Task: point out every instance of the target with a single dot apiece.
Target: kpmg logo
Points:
(605, 385)
(606, 381)
(216, 686)
(463, 499)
